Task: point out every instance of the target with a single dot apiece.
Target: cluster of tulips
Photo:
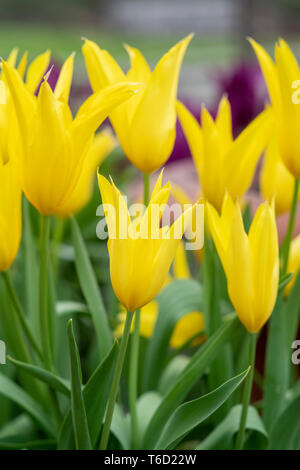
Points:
(179, 339)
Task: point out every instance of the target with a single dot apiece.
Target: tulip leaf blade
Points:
(91, 292)
(54, 381)
(285, 433)
(277, 365)
(189, 376)
(95, 395)
(15, 393)
(79, 418)
(176, 300)
(192, 413)
(222, 437)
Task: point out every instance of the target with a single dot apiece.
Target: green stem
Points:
(146, 188)
(43, 290)
(20, 313)
(246, 393)
(133, 381)
(289, 235)
(115, 382)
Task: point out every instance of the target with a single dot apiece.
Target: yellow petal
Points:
(192, 131)
(241, 159)
(152, 129)
(102, 69)
(224, 123)
(186, 328)
(270, 73)
(180, 265)
(23, 64)
(63, 85)
(36, 70)
(239, 274)
(294, 263)
(263, 242)
(275, 180)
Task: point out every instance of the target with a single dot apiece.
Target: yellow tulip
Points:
(140, 251)
(33, 77)
(10, 215)
(276, 182)
(251, 262)
(281, 77)
(103, 143)
(224, 164)
(186, 328)
(145, 126)
(50, 145)
(294, 263)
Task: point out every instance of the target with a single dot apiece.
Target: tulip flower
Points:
(276, 182)
(10, 215)
(294, 263)
(224, 164)
(145, 126)
(186, 328)
(33, 77)
(52, 146)
(281, 77)
(250, 262)
(140, 251)
(103, 143)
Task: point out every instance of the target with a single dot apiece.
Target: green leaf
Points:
(91, 291)
(80, 424)
(120, 427)
(176, 300)
(54, 381)
(171, 372)
(277, 366)
(95, 395)
(189, 415)
(189, 376)
(214, 286)
(285, 433)
(30, 270)
(292, 308)
(42, 444)
(284, 280)
(68, 307)
(15, 393)
(146, 407)
(222, 437)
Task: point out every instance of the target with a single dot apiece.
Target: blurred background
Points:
(216, 58)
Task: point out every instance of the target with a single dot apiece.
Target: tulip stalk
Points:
(20, 313)
(289, 234)
(247, 392)
(43, 290)
(116, 382)
(133, 379)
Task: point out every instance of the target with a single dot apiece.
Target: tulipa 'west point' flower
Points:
(10, 215)
(281, 78)
(49, 145)
(224, 164)
(140, 251)
(250, 262)
(144, 125)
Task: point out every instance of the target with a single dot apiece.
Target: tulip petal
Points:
(263, 241)
(36, 70)
(63, 85)
(239, 274)
(153, 125)
(180, 265)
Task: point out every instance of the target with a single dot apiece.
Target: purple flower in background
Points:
(244, 87)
